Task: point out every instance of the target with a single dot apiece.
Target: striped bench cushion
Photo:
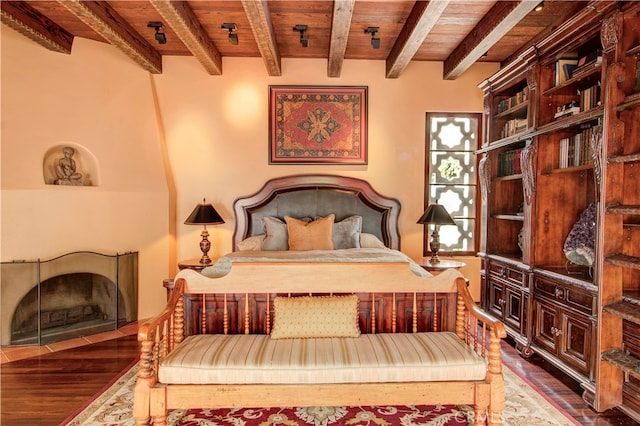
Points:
(369, 358)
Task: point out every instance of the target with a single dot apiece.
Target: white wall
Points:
(209, 138)
(99, 99)
(217, 134)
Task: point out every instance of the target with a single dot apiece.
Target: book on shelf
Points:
(564, 68)
(509, 162)
(514, 126)
(577, 150)
(588, 62)
(514, 100)
(565, 112)
(590, 97)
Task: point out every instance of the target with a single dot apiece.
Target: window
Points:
(451, 178)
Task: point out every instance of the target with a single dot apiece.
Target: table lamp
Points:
(437, 215)
(204, 214)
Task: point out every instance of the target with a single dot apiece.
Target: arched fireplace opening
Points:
(73, 295)
(70, 304)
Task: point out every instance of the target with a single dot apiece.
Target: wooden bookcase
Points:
(505, 169)
(580, 148)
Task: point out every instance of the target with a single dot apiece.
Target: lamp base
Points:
(434, 245)
(205, 246)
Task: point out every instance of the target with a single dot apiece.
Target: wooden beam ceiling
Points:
(258, 14)
(32, 24)
(341, 23)
(502, 17)
(105, 21)
(427, 29)
(423, 17)
(180, 17)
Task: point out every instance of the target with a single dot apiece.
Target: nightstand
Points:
(185, 264)
(194, 264)
(441, 266)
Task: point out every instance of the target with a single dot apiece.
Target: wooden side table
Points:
(441, 266)
(185, 264)
(194, 264)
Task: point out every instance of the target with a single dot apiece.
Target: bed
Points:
(269, 325)
(309, 197)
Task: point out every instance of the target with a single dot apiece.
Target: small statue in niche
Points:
(66, 169)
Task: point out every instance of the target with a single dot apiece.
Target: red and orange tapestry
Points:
(316, 125)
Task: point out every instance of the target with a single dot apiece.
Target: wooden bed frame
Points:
(314, 196)
(392, 299)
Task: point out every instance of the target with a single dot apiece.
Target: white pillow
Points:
(370, 241)
(252, 243)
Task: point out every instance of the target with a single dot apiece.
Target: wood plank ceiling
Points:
(455, 32)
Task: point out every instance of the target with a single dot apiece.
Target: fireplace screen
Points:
(74, 295)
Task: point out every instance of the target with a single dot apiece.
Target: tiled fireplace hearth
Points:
(74, 295)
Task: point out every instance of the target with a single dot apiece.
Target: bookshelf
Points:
(570, 143)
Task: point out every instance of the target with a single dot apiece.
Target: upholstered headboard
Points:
(314, 196)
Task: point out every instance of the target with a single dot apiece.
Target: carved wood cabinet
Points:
(563, 324)
(561, 142)
(506, 296)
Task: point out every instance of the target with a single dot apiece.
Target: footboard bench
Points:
(259, 370)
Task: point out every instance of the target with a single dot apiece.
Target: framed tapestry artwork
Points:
(317, 125)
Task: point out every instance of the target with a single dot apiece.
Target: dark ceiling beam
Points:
(341, 22)
(105, 21)
(180, 17)
(423, 17)
(502, 17)
(23, 18)
(258, 15)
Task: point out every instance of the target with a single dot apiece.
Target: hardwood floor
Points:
(45, 389)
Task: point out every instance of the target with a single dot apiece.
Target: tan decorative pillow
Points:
(316, 235)
(315, 316)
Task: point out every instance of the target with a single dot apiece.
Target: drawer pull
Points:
(559, 292)
(504, 272)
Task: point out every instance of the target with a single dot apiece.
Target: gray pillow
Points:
(276, 231)
(277, 236)
(346, 233)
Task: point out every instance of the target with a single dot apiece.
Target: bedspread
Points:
(360, 255)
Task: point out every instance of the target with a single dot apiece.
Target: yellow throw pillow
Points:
(315, 316)
(316, 235)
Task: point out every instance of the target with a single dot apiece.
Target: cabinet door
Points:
(496, 298)
(513, 307)
(545, 330)
(574, 343)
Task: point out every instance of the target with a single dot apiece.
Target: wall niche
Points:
(70, 164)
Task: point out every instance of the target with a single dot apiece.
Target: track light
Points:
(304, 40)
(160, 37)
(233, 37)
(375, 42)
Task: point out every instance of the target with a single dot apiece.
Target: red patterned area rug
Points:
(524, 407)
